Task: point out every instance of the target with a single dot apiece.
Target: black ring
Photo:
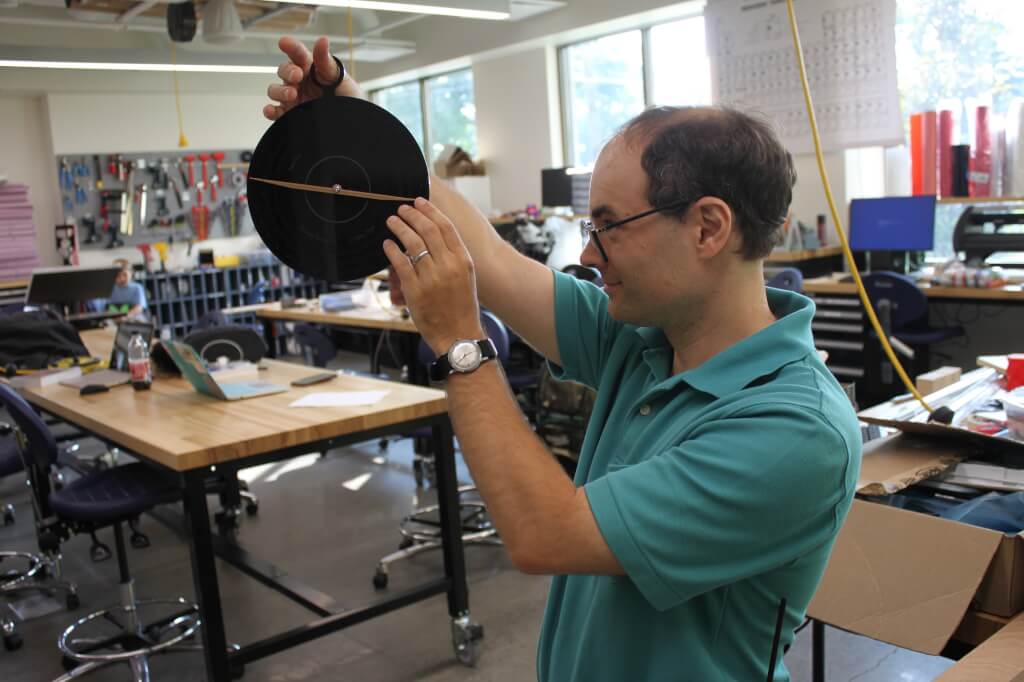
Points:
(331, 87)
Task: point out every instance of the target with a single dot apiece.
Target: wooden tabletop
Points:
(807, 254)
(100, 341)
(175, 426)
(13, 283)
(372, 318)
(830, 284)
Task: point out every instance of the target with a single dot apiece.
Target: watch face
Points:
(464, 356)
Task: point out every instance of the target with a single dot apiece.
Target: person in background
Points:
(128, 297)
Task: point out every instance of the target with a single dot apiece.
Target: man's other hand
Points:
(296, 84)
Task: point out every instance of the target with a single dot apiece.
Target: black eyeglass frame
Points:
(590, 231)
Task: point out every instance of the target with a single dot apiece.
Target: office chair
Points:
(108, 497)
(902, 310)
(10, 464)
(212, 318)
(317, 347)
(421, 530)
(790, 279)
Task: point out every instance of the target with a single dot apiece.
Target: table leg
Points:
(268, 337)
(451, 519)
(817, 651)
(204, 577)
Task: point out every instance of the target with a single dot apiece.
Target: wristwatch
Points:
(463, 357)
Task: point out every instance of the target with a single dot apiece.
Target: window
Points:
(605, 84)
(437, 111)
(607, 81)
(957, 55)
(405, 103)
(451, 112)
(680, 68)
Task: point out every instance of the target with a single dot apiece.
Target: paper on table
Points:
(340, 399)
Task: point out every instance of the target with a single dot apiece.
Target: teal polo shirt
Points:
(720, 491)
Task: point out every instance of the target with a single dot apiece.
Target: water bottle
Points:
(138, 363)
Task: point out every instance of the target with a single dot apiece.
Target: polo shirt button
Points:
(645, 410)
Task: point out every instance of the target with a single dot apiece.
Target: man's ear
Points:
(715, 224)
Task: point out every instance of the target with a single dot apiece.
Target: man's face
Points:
(123, 277)
(650, 269)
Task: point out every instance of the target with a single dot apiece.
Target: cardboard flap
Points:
(902, 577)
(1000, 658)
(897, 463)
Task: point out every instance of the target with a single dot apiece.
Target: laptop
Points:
(117, 372)
(194, 370)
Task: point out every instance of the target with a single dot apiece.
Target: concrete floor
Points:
(331, 537)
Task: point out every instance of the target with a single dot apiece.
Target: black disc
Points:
(325, 142)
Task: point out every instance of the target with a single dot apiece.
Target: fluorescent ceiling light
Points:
(120, 66)
(415, 8)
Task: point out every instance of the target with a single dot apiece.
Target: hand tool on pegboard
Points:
(218, 157)
(66, 177)
(97, 169)
(189, 159)
(128, 204)
(203, 158)
(90, 223)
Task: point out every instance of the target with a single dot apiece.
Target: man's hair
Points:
(691, 152)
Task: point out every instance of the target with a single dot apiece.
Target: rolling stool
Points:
(107, 497)
(24, 571)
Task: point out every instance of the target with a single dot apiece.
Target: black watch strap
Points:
(442, 367)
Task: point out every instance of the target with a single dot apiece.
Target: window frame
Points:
(565, 87)
(421, 85)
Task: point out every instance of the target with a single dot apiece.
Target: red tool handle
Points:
(203, 158)
(191, 173)
(218, 157)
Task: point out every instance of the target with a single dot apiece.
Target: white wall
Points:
(513, 132)
(124, 123)
(28, 159)
(809, 194)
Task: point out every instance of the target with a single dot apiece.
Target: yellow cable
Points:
(886, 346)
(182, 140)
(351, 66)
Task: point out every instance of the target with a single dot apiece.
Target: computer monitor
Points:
(65, 285)
(555, 187)
(566, 187)
(893, 224)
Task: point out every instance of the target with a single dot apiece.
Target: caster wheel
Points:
(405, 543)
(237, 671)
(467, 638)
(380, 580)
(72, 601)
(252, 508)
(8, 518)
(13, 641)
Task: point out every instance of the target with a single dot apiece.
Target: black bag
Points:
(34, 340)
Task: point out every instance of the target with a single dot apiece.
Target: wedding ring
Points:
(415, 259)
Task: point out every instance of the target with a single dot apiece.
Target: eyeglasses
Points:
(590, 230)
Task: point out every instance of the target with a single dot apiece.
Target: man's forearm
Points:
(527, 492)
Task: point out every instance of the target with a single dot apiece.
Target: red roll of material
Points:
(929, 152)
(1014, 371)
(979, 177)
(916, 158)
(945, 153)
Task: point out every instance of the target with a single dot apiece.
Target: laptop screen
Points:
(125, 331)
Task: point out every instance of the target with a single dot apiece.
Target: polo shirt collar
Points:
(787, 340)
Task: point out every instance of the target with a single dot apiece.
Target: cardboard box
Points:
(908, 578)
(453, 162)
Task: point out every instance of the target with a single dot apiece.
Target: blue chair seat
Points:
(114, 494)
(929, 336)
(10, 457)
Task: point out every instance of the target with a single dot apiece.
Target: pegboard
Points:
(132, 199)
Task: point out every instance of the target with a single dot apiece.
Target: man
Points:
(128, 297)
(721, 455)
